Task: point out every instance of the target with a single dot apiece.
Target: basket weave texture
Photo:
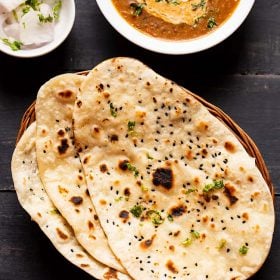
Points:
(247, 142)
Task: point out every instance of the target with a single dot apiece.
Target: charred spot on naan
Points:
(178, 210)
(229, 193)
(230, 147)
(127, 192)
(63, 147)
(111, 274)
(145, 244)
(163, 177)
(61, 234)
(61, 133)
(103, 168)
(76, 200)
(100, 87)
(66, 95)
(123, 165)
(114, 138)
(124, 215)
(171, 266)
(79, 103)
(90, 225)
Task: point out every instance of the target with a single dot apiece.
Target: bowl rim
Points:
(174, 47)
(45, 49)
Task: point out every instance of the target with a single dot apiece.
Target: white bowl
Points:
(175, 47)
(62, 30)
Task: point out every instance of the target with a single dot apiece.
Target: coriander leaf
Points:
(26, 10)
(243, 250)
(15, 45)
(222, 244)
(34, 4)
(131, 126)
(136, 210)
(155, 217)
(44, 19)
(138, 8)
(132, 168)
(144, 188)
(149, 156)
(113, 111)
(170, 218)
(216, 185)
(187, 242)
(56, 9)
(211, 23)
(54, 211)
(188, 191)
(195, 234)
(118, 199)
(201, 4)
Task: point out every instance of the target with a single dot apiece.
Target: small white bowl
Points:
(172, 46)
(62, 30)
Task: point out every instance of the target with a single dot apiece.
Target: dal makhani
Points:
(176, 19)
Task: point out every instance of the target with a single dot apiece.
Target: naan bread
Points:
(175, 191)
(35, 201)
(60, 167)
(177, 11)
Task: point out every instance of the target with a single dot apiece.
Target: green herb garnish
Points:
(201, 4)
(113, 110)
(216, 185)
(15, 15)
(188, 191)
(174, 2)
(243, 250)
(170, 218)
(34, 4)
(15, 45)
(118, 199)
(44, 19)
(132, 168)
(131, 126)
(54, 211)
(149, 156)
(136, 210)
(56, 9)
(195, 234)
(222, 244)
(144, 188)
(211, 23)
(155, 217)
(187, 242)
(138, 8)
(26, 10)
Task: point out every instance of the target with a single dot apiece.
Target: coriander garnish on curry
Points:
(176, 19)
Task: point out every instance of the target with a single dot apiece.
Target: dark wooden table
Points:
(241, 75)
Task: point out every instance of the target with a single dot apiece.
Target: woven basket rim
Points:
(246, 141)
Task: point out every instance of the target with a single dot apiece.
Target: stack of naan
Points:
(130, 177)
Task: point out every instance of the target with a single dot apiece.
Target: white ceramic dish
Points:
(175, 47)
(62, 30)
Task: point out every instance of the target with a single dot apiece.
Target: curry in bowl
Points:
(176, 19)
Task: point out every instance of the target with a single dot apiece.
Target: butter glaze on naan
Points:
(60, 167)
(148, 179)
(34, 199)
